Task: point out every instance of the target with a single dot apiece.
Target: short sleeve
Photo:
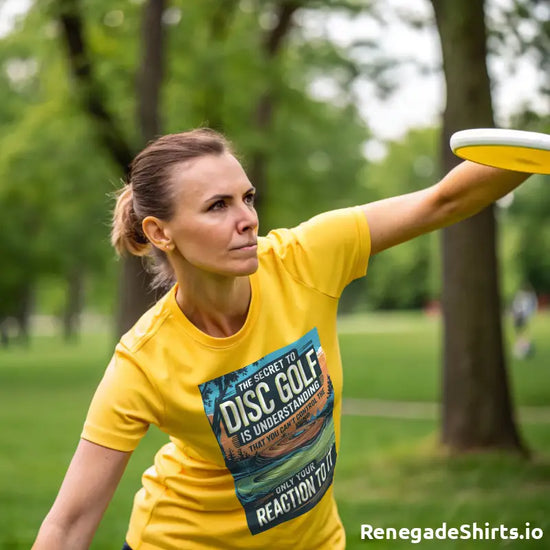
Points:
(328, 251)
(125, 403)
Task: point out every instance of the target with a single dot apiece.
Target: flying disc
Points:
(510, 149)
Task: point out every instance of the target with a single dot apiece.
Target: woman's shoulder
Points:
(276, 241)
(148, 324)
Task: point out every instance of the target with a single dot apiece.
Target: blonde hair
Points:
(149, 192)
(126, 235)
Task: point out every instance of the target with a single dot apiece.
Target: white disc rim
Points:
(499, 137)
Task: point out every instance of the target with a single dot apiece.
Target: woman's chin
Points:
(240, 269)
(250, 267)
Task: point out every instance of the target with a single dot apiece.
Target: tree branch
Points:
(274, 38)
(70, 19)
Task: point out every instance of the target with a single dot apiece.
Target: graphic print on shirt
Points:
(274, 424)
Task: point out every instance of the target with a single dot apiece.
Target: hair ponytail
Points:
(126, 233)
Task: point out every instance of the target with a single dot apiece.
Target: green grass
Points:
(390, 471)
(391, 474)
(397, 356)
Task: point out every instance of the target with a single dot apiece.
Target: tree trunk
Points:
(15, 312)
(73, 305)
(477, 410)
(135, 295)
(272, 43)
(24, 310)
(151, 70)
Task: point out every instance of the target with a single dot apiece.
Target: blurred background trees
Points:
(86, 84)
(76, 78)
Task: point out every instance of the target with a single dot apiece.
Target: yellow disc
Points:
(520, 159)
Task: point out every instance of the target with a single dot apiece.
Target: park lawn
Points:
(397, 356)
(390, 472)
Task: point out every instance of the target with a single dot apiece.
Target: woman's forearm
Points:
(87, 489)
(470, 187)
(58, 536)
(463, 192)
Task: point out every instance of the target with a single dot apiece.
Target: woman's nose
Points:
(248, 218)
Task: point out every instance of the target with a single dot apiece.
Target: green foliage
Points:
(55, 177)
(406, 276)
(529, 212)
(53, 196)
(521, 29)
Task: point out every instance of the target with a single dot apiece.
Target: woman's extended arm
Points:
(463, 192)
(87, 489)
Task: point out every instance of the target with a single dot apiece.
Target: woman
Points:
(239, 361)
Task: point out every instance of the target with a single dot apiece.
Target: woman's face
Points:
(214, 226)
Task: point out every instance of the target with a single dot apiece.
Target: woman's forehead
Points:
(209, 174)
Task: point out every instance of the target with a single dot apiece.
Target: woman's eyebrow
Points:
(225, 196)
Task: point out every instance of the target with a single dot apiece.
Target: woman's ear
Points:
(157, 233)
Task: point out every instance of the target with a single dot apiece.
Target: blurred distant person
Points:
(524, 306)
(239, 361)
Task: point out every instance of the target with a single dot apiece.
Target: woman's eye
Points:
(218, 205)
(249, 199)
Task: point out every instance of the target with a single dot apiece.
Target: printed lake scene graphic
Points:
(274, 424)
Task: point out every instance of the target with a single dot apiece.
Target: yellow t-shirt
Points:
(253, 419)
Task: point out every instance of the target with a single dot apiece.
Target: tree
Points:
(135, 295)
(221, 41)
(519, 32)
(217, 63)
(46, 189)
(477, 409)
(271, 44)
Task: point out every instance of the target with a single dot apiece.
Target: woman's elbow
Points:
(452, 207)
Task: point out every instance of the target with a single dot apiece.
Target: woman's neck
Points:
(217, 306)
